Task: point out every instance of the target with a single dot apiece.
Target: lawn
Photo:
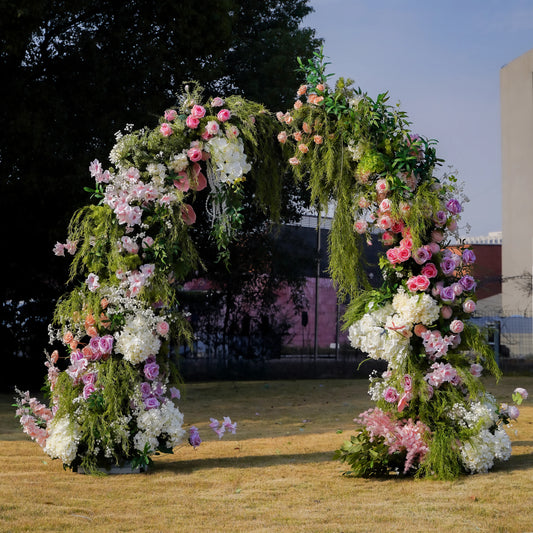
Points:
(276, 474)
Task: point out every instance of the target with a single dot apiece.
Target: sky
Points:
(441, 61)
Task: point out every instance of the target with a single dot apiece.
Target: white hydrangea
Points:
(228, 158)
(137, 340)
(415, 309)
(371, 335)
(482, 414)
(480, 451)
(163, 422)
(63, 439)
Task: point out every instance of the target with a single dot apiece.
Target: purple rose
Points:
(151, 371)
(453, 206)
(158, 390)
(94, 343)
(447, 294)
(151, 402)
(448, 266)
(468, 283)
(194, 437)
(469, 257)
(146, 389)
(440, 218)
(89, 378)
(106, 344)
(421, 255)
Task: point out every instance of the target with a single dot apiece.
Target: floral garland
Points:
(433, 415)
(113, 396)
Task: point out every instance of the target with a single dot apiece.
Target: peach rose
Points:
(318, 139)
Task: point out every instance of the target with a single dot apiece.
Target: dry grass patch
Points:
(276, 474)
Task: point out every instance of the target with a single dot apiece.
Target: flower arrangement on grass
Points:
(433, 415)
(112, 384)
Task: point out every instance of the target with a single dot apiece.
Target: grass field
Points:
(276, 474)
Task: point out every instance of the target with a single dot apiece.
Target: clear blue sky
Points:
(441, 60)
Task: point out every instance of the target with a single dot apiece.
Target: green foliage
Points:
(369, 456)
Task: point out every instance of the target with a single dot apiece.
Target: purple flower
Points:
(194, 437)
(151, 402)
(175, 393)
(421, 255)
(105, 344)
(447, 294)
(151, 371)
(440, 218)
(468, 283)
(229, 425)
(146, 389)
(513, 412)
(76, 356)
(94, 343)
(158, 390)
(448, 266)
(89, 378)
(453, 206)
(469, 257)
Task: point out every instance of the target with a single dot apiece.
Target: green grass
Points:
(276, 474)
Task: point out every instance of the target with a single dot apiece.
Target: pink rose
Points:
(429, 270)
(437, 236)
(318, 139)
(419, 330)
(303, 148)
(298, 104)
(212, 127)
(170, 115)
(385, 205)
(197, 111)
(218, 102)
(391, 395)
(88, 390)
(388, 239)
(162, 328)
(294, 161)
(469, 306)
(298, 136)
(392, 255)
(403, 254)
(384, 222)
(452, 224)
(105, 344)
(446, 312)
(407, 383)
(382, 187)
(223, 115)
(361, 226)
(282, 137)
(147, 242)
(194, 154)
(407, 242)
(363, 202)
(457, 289)
(418, 283)
(433, 247)
(192, 122)
(165, 129)
(456, 326)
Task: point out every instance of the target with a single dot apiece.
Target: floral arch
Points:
(116, 398)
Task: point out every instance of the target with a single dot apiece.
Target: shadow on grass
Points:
(245, 461)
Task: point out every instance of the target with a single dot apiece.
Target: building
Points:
(516, 98)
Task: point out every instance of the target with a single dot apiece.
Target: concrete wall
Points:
(516, 96)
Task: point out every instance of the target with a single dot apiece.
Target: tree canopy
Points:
(76, 72)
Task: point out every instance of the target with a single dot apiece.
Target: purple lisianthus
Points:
(151, 402)
(469, 257)
(105, 344)
(194, 437)
(229, 425)
(175, 393)
(151, 371)
(468, 283)
(453, 206)
(447, 294)
(448, 265)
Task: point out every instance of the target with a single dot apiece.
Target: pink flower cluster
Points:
(34, 417)
(399, 435)
(221, 428)
(435, 344)
(442, 373)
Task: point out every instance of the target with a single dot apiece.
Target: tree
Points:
(75, 72)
